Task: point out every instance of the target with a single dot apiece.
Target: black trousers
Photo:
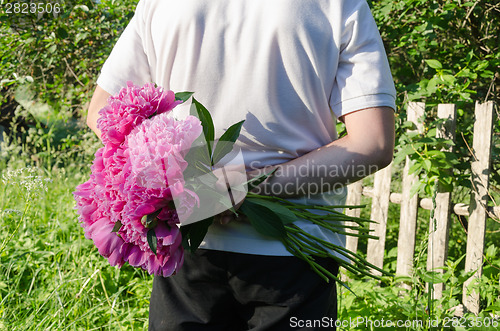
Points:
(217, 290)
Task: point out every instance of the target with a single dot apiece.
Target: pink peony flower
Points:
(129, 108)
(139, 172)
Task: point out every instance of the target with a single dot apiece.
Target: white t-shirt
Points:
(289, 68)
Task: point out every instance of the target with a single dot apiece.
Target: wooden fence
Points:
(439, 226)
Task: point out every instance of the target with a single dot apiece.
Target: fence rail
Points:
(460, 209)
(478, 210)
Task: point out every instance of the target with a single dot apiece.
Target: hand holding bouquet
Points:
(145, 200)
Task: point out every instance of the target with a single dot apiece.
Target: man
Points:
(289, 69)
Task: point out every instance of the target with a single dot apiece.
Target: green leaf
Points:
(483, 65)
(454, 264)
(208, 179)
(149, 221)
(254, 182)
(495, 308)
(432, 277)
(435, 64)
(427, 164)
(429, 187)
(409, 125)
(398, 279)
(436, 154)
(431, 86)
(197, 232)
(226, 142)
(403, 152)
(81, 36)
(491, 251)
(286, 215)
(449, 79)
(264, 220)
(52, 48)
(446, 184)
(198, 110)
(62, 33)
(198, 159)
(429, 140)
(117, 226)
(208, 199)
(398, 158)
(485, 74)
(415, 168)
(82, 7)
(233, 132)
(466, 275)
(451, 158)
(152, 241)
(185, 236)
(183, 96)
(416, 188)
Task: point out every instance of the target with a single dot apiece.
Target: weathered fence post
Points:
(354, 193)
(353, 199)
(409, 204)
(480, 166)
(380, 206)
(439, 226)
(477, 211)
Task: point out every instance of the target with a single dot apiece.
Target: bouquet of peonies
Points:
(141, 204)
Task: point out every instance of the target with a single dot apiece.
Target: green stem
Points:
(303, 244)
(318, 268)
(6, 241)
(332, 216)
(298, 253)
(344, 251)
(307, 249)
(357, 268)
(336, 229)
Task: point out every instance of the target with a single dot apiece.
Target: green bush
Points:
(60, 55)
(443, 51)
(49, 65)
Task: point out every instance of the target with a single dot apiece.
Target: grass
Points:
(51, 277)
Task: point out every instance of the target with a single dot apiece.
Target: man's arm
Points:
(367, 147)
(98, 101)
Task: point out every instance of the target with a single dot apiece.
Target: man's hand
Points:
(231, 180)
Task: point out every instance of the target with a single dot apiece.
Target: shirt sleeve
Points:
(363, 78)
(128, 60)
